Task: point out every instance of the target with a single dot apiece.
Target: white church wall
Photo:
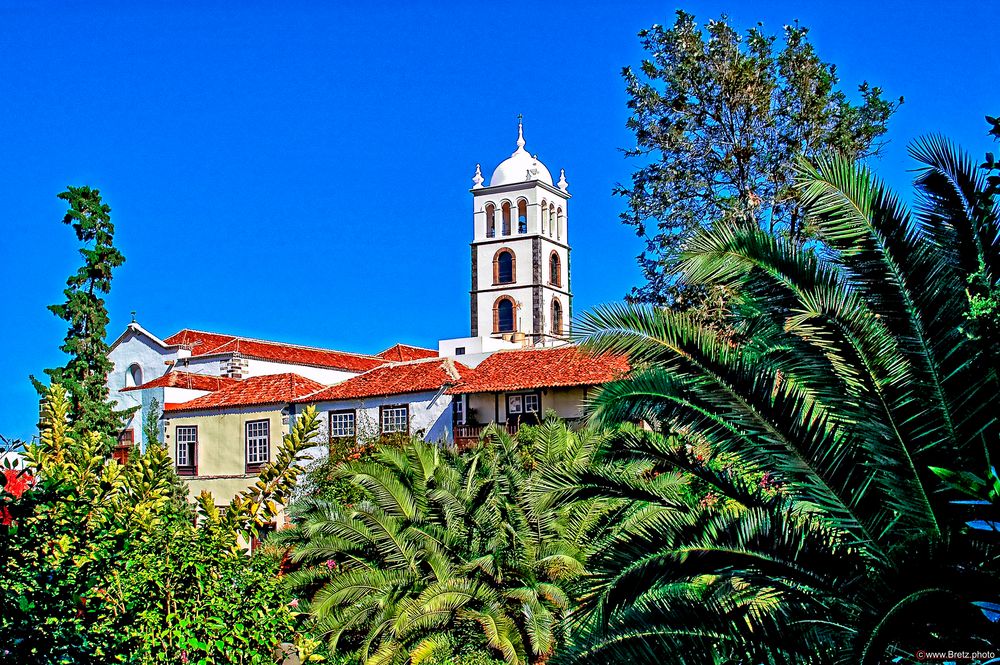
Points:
(325, 375)
(135, 348)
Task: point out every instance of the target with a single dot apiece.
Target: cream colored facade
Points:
(221, 456)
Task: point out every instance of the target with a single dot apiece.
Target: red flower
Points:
(17, 483)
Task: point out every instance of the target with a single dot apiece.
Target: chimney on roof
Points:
(235, 367)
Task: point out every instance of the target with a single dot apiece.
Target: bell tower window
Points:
(544, 211)
(552, 219)
(522, 216)
(505, 208)
(503, 315)
(557, 317)
(491, 220)
(555, 269)
(504, 267)
(560, 230)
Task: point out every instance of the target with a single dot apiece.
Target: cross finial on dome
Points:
(520, 132)
(477, 180)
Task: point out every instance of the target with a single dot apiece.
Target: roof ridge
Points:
(236, 338)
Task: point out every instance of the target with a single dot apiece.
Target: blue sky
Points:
(300, 171)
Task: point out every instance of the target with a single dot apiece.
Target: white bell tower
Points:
(520, 252)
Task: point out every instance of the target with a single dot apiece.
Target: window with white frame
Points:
(186, 451)
(458, 408)
(524, 403)
(395, 419)
(342, 424)
(258, 443)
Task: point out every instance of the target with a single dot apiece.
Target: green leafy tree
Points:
(720, 119)
(99, 563)
(449, 554)
(855, 386)
(85, 374)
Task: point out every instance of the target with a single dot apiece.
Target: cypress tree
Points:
(85, 374)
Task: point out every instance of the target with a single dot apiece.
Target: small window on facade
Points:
(342, 424)
(557, 316)
(543, 212)
(491, 220)
(555, 269)
(505, 209)
(395, 419)
(560, 231)
(186, 451)
(505, 267)
(504, 315)
(459, 350)
(258, 444)
(133, 377)
(458, 408)
(522, 216)
(524, 403)
(552, 219)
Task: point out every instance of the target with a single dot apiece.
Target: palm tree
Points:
(447, 548)
(855, 377)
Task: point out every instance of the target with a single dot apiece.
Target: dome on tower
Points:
(520, 166)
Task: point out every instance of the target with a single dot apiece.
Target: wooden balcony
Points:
(467, 435)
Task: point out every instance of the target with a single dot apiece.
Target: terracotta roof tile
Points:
(404, 352)
(189, 380)
(395, 379)
(270, 389)
(212, 343)
(541, 368)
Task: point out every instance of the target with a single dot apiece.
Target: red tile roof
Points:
(404, 352)
(270, 389)
(541, 368)
(189, 380)
(395, 379)
(203, 343)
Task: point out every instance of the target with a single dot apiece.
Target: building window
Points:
(552, 219)
(524, 403)
(342, 424)
(544, 210)
(522, 216)
(560, 229)
(555, 269)
(458, 409)
(395, 419)
(133, 377)
(459, 350)
(491, 220)
(126, 440)
(503, 315)
(503, 267)
(557, 316)
(258, 444)
(505, 210)
(186, 451)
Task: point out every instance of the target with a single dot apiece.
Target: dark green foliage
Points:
(720, 120)
(100, 563)
(85, 374)
(856, 384)
(447, 555)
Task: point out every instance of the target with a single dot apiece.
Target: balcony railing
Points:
(468, 435)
